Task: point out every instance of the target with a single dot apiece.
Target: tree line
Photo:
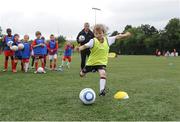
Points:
(146, 39)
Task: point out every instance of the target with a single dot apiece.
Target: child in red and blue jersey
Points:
(44, 51)
(52, 51)
(26, 52)
(67, 54)
(7, 51)
(18, 53)
(39, 46)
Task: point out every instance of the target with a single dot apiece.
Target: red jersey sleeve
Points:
(33, 43)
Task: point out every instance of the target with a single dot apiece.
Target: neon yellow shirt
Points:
(99, 53)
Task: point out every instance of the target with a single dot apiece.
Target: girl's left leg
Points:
(69, 61)
(102, 82)
(22, 65)
(15, 65)
(55, 61)
(43, 65)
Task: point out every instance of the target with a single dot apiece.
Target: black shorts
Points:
(93, 68)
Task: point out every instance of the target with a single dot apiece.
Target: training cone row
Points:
(121, 95)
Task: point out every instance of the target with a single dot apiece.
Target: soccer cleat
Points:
(4, 70)
(14, 71)
(32, 67)
(44, 72)
(60, 69)
(55, 69)
(104, 92)
(47, 68)
(81, 74)
(35, 72)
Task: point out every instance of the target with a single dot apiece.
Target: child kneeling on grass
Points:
(98, 59)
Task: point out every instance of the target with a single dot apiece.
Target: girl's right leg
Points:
(36, 63)
(63, 61)
(6, 63)
(32, 62)
(15, 65)
(12, 63)
(102, 82)
(43, 65)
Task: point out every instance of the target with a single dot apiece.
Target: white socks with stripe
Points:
(102, 83)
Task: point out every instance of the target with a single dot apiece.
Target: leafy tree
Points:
(61, 40)
(146, 39)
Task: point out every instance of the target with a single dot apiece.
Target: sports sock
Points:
(63, 62)
(54, 65)
(36, 65)
(102, 83)
(6, 64)
(26, 65)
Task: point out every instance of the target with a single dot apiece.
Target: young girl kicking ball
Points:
(98, 59)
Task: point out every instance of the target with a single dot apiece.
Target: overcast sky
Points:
(66, 17)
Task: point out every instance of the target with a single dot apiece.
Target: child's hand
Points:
(77, 48)
(122, 36)
(127, 34)
(42, 45)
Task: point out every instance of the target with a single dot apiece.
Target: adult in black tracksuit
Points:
(88, 34)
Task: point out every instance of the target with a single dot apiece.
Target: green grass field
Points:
(153, 85)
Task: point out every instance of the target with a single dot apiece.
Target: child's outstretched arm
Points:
(80, 48)
(122, 36)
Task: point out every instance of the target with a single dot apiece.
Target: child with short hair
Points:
(52, 46)
(98, 58)
(8, 53)
(39, 46)
(18, 53)
(67, 54)
(26, 52)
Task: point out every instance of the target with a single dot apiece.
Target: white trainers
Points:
(44, 72)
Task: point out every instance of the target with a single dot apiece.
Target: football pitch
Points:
(153, 85)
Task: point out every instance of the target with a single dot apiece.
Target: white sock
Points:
(68, 63)
(26, 66)
(102, 84)
(62, 63)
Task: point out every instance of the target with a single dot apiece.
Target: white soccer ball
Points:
(81, 38)
(40, 70)
(10, 43)
(14, 48)
(87, 96)
(20, 46)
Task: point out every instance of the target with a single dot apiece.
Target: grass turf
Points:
(153, 84)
